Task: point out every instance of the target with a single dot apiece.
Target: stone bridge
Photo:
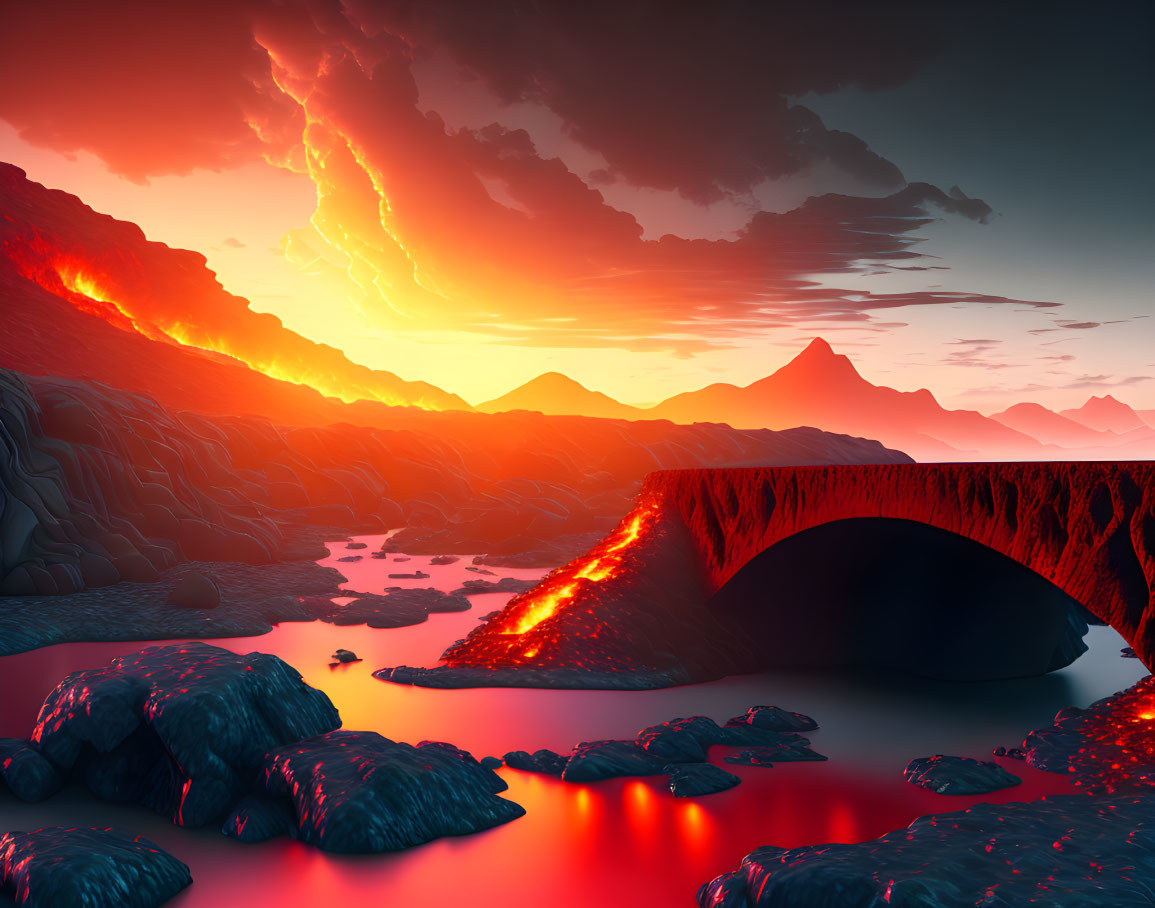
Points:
(729, 570)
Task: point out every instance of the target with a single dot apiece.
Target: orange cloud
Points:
(473, 230)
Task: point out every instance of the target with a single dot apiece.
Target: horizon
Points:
(1074, 399)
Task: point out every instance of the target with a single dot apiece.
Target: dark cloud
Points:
(1104, 381)
(975, 354)
(687, 97)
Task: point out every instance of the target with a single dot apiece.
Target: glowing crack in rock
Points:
(596, 568)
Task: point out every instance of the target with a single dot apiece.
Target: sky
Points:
(958, 196)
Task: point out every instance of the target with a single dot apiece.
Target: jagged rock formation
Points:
(61, 867)
(1059, 852)
(182, 729)
(772, 718)
(359, 792)
(99, 486)
(25, 772)
(678, 748)
(1067, 850)
(541, 761)
(693, 780)
(504, 585)
(651, 595)
(205, 736)
(958, 775)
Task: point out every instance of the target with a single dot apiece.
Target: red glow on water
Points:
(623, 841)
(619, 842)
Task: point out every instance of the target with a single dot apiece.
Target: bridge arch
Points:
(645, 598)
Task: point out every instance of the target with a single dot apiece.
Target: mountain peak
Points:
(815, 349)
(1106, 413)
(819, 362)
(557, 393)
(553, 379)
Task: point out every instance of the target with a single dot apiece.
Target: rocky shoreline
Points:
(252, 599)
(1066, 851)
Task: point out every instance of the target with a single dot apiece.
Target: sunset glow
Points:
(468, 218)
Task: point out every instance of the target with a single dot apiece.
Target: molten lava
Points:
(1108, 746)
(599, 566)
(258, 341)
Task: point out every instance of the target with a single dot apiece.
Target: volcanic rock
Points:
(135, 568)
(958, 775)
(195, 590)
(182, 729)
(59, 867)
(592, 761)
(772, 718)
(444, 559)
(794, 750)
(345, 655)
(446, 677)
(692, 780)
(543, 761)
(504, 585)
(416, 575)
(357, 545)
(397, 608)
(491, 762)
(1060, 852)
(1105, 747)
(26, 773)
(749, 736)
(358, 792)
(352, 558)
(258, 819)
(680, 740)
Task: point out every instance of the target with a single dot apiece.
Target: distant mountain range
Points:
(822, 388)
(560, 395)
(88, 297)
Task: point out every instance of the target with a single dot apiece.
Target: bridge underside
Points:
(964, 571)
(900, 595)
